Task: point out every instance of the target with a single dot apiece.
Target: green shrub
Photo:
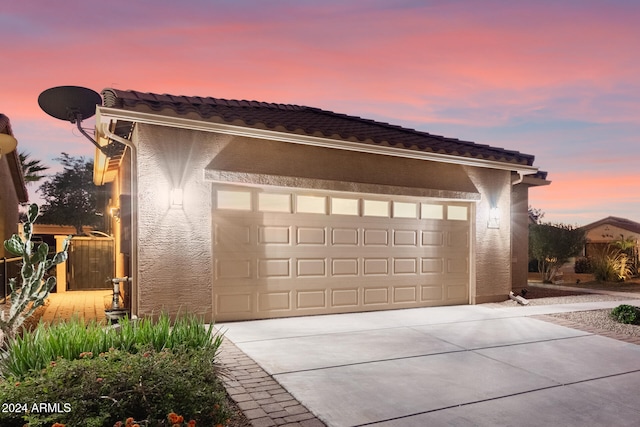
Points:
(100, 389)
(627, 314)
(611, 265)
(582, 265)
(34, 350)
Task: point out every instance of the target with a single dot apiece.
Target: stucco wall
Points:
(609, 233)
(175, 269)
(520, 236)
(492, 245)
(8, 206)
(174, 243)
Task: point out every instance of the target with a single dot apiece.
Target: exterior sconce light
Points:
(7, 143)
(494, 218)
(115, 213)
(176, 198)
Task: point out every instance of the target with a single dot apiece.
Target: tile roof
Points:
(310, 121)
(615, 221)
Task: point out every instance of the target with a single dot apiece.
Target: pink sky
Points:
(556, 79)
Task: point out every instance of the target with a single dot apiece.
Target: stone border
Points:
(586, 328)
(261, 398)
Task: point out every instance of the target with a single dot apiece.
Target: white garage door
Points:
(281, 252)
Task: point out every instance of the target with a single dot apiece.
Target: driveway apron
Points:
(460, 365)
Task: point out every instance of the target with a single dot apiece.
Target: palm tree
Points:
(31, 168)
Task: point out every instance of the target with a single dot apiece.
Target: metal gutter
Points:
(107, 113)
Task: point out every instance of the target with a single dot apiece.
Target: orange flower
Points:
(58, 425)
(129, 422)
(173, 418)
(192, 423)
(118, 424)
(18, 383)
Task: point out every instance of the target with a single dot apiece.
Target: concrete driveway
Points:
(458, 366)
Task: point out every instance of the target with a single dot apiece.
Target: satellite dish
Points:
(72, 103)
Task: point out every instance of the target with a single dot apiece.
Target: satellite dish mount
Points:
(74, 104)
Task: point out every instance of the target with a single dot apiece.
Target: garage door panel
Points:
(373, 296)
(274, 301)
(432, 238)
(432, 265)
(274, 235)
(312, 267)
(431, 293)
(225, 234)
(458, 265)
(405, 237)
(344, 267)
(344, 297)
(376, 266)
(405, 294)
(311, 299)
(233, 269)
(311, 236)
(376, 237)
(344, 236)
(274, 268)
(332, 258)
(405, 266)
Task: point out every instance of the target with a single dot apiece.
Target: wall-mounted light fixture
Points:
(494, 218)
(7, 143)
(176, 198)
(115, 213)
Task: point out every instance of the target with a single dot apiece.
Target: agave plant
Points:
(34, 288)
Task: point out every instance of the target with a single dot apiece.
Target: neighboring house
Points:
(13, 190)
(243, 210)
(601, 233)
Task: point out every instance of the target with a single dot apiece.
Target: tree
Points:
(552, 245)
(71, 197)
(535, 214)
(31, 168)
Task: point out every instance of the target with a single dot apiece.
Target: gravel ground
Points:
(562, 300)
(595, 318)
(600, 319)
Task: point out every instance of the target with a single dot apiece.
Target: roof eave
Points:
(106, 115)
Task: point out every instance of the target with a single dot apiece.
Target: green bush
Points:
(611, 265)
(68, 340)
(100, 389)
(582, 265)
(627, 314)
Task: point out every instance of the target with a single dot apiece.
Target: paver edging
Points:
(261, 398)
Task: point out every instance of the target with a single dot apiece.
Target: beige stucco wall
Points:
(608, 233)
(492, 245)
(174, 244)
(174, 258)
(8, 206)
(519, 236)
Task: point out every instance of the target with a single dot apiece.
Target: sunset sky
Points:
(559, 79)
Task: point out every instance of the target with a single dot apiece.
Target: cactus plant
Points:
(34, 289)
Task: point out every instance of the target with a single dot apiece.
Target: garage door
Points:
(292, 253)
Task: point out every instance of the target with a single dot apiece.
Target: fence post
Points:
(4, 279)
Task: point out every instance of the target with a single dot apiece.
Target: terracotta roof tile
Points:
(310, 121)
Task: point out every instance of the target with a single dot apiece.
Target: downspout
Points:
(104, 128)
(518, 180)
